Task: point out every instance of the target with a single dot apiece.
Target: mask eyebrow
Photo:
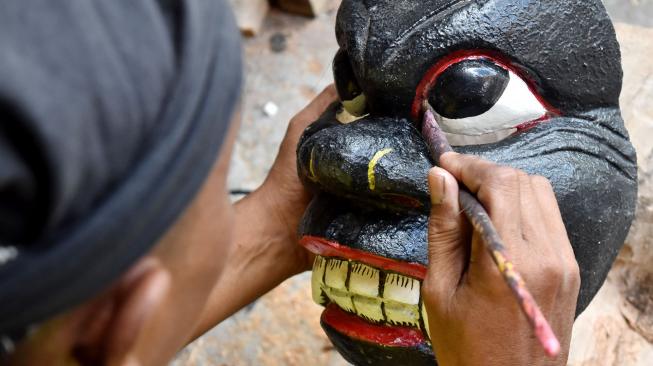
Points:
(448, 7)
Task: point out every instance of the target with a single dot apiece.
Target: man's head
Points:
(530, 84)
(152, 309)
(114, 214)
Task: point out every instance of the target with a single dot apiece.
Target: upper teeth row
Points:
(372, 294)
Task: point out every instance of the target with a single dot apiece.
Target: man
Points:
(119, 244)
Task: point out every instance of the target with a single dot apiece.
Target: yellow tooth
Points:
(356, 106)
(368, 308)
(341, 298)
(336, 273)
(364, 280)
(401, 314)
(319, 265)
(344, 117)
(425, 319)
(401, 289)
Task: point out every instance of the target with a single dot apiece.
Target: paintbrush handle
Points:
(480, 220)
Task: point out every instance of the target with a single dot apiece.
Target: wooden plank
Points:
(310, 8)
(250, 15)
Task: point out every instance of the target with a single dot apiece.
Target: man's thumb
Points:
(447, 235)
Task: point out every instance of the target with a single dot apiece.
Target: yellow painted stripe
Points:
(370, 169)
(311, 168)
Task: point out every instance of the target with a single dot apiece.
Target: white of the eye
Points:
(517, 105)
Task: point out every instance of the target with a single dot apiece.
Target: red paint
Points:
(402, 200)
(325, 248)
(528, 125)
(357, 328)
(431, 75)
(541, 327)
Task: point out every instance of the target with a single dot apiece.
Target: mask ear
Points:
(115, 324)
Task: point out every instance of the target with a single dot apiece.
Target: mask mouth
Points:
(368, 297)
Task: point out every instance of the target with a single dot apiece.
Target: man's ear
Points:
(115, 323)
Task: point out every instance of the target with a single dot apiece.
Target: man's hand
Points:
(282, 192)
(473, 317)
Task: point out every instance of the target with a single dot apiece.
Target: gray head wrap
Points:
(113, 113)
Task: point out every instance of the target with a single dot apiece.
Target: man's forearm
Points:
(258, 261)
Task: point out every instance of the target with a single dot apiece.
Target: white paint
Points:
(7, 254)
(270, 109)
(336, 273)
(364, 280)
(486, 138)
(516, 106)
(401, 289)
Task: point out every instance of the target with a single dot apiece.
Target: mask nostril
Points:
(345, 79)
(349, 91)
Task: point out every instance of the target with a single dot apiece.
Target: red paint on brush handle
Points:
(541, 327)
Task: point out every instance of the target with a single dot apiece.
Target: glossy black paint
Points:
(341, 155)
(468, 88)
(567, 49)
(391, 235)
(344, 77)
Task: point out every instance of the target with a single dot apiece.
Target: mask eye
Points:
(480, 101)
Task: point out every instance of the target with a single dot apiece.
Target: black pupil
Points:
(468, 88)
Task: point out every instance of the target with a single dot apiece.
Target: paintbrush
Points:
(480, 220)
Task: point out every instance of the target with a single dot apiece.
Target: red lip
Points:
(357, 328)
(325, 248)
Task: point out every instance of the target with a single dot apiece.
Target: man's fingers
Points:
(447, 235)
(314, 109)
(552, 220)
(499, 190)
(470, 170)
(301, 120)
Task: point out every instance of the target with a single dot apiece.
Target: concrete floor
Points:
(635, 12)
(287, 64)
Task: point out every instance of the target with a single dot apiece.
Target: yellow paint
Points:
(311, 168)
(370, 169)
(501, 262)
(504, 266)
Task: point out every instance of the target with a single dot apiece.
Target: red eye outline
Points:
(431, 76)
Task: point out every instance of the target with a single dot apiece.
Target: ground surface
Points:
(288, 64)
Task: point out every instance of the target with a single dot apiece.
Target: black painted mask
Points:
(527, 83)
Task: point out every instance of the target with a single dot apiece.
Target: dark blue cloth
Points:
(113, 113)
